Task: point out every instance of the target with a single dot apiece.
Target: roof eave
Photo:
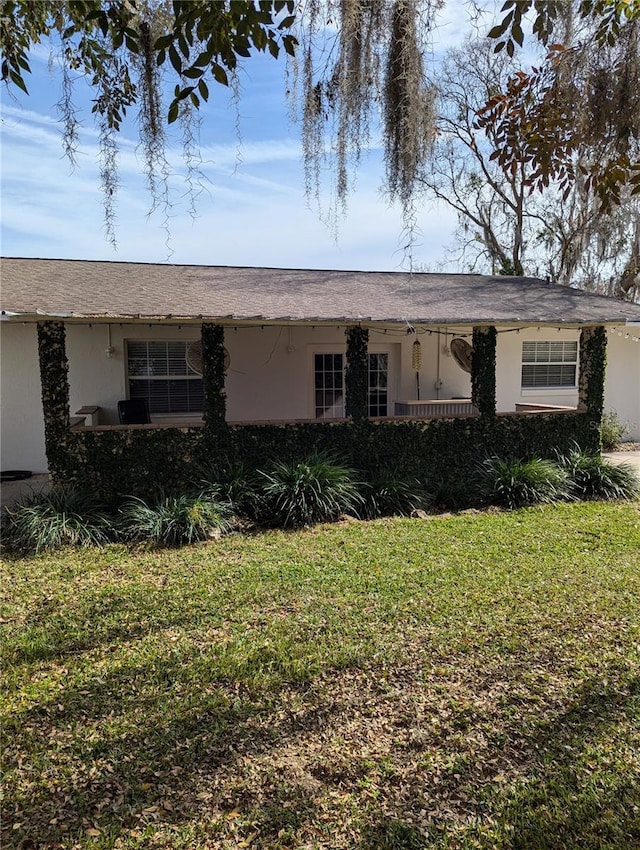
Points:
(172, 318)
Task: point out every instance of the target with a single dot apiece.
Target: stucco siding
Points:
(22, 428)
(622, 386)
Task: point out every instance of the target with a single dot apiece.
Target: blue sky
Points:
(253, 211)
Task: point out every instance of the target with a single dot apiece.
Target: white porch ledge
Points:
(526, 407)
(435, 407)
(441, 413)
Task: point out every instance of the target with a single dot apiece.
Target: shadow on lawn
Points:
(575, 800)
(557, 807)
(89, 770)
(114, 777)
(52, 631)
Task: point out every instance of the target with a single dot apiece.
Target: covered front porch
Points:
(350, 381)
(298, 372)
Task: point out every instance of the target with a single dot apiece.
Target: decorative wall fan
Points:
(194, 357)
(462, 353)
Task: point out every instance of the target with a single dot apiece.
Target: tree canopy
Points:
(577, 114)
(557, 232)
(357, 65)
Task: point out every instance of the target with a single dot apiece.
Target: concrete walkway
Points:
(17, 491)
(632, 458)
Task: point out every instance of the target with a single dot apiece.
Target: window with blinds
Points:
(549, 364)
(158, 372)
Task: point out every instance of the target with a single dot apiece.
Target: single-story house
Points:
(134, 331)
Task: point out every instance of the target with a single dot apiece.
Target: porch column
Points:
(593, 363)
(483, 370)
(54, 378)
(215, 400)
(357, 373)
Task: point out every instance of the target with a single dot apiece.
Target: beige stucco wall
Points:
(622, 388)
(21, 425)
(271, 374)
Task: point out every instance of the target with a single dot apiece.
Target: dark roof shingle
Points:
(100, 290)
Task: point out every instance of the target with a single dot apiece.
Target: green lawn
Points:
(468, 681)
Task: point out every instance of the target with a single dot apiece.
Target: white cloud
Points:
(257, 216)
(252, 210)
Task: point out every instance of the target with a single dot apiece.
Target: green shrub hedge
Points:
(312, 489)
(142, 462)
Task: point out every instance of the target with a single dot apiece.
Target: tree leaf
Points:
(174, 58)
(517, 34)
(220, 74)
(498, 30)
(17, 79)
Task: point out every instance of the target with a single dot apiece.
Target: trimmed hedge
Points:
(143, 461)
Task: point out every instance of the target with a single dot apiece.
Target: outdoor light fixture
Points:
(109, 350)
(416, 362)
(416, 356)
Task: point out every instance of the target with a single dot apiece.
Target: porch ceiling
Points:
(35, 289)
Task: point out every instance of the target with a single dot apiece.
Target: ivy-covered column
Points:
(54, 377)
(357, 373)
(483, 370)
(215, 401)
(593, 363)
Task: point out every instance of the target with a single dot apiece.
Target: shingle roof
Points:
(37, 288)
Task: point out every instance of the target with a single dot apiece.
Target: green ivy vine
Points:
(357, 373)
(143, 461)
(593, 364)
(215, 400)
(483, 370)
(54, 370)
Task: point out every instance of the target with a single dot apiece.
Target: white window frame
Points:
(342, 350)
(129, 378)
(551, 361)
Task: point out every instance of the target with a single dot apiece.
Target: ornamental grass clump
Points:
(236, 485)
(175, 520)
(316, 489)
(391, 495)
(64, 516)
(454, 493)
(594, 477)
(515, 483)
